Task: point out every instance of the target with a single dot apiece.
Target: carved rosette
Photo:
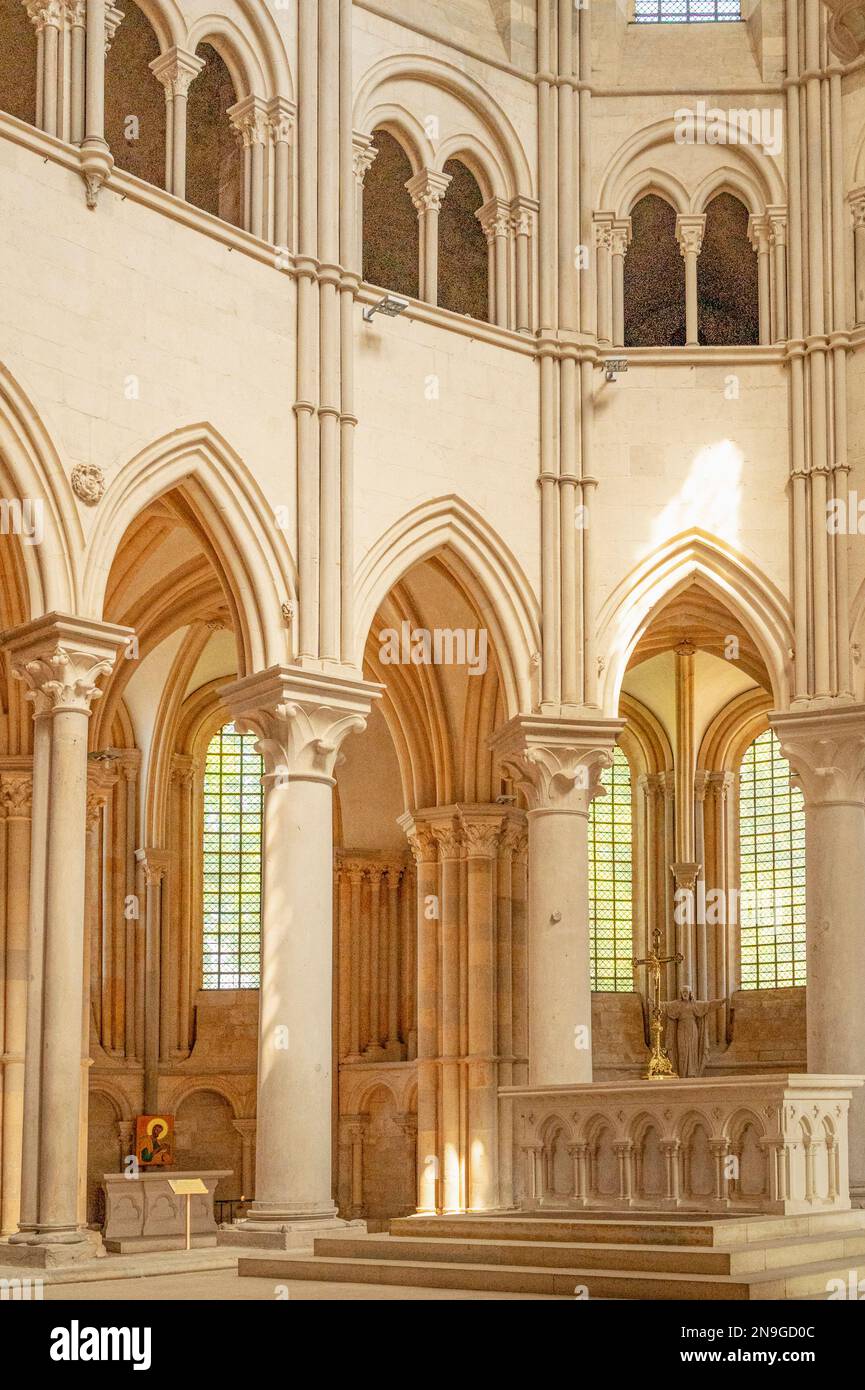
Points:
(88, 483)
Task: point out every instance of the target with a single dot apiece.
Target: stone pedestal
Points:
(142, 1213)
(775, 1145)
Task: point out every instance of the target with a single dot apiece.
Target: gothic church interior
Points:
(432, 605)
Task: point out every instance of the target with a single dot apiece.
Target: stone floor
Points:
(224, 1285)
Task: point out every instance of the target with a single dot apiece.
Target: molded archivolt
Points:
(31, 470)
(250, 43)
(693, 558)
(743, 170)
(235, 523)
(498, 161)
(504, 599)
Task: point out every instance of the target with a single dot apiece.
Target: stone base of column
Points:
(46, 1252)
(285, 1233)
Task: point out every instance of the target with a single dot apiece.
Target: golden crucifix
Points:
(660, 1065)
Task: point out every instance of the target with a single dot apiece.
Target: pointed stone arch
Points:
(237, 528)
(694, 557)
(31, 469)
(448, 527)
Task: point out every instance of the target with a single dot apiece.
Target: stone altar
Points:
(142, 1213)
(762, 1144)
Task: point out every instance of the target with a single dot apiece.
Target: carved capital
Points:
(689, 233)
(602, 227)
(176, 70)
(300, 719)
(826, 753)
(60, 660)
(557, 763)
(856, 199)
(154, 864)
(249, 118)
(620, 236)
(364, 154)
(495, 218)
(759, 229)
(777, 217)
(420, 838)
(44, 14)
(281, 115)
(481, 834)
(427, 190)
(16, 795)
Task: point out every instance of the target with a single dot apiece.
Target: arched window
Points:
(727, 292)
(611, 880)
(232, 862)
(17, 62)
(135, 100)
(686, 11)
(772, 869)
(463, 253)
(213, 163)
(390, 222)
(654, 278)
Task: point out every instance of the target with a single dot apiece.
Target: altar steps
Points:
(738, 1259)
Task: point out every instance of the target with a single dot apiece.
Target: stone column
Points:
(427, 190)
(47, 16)
(60, 659)
(16, 796)
(373, 1051)
(603, 229)
(856, 199)
(689, 234)
(246, 1129)
(280, 118)
(449, 841)
(826, 752)
(364, 155)
(495, 218)
(759, 237)
(354, 873)
(394, 1050)
(249, 118)
(482, 835)
(76, 14)
(154, 868)
(301, 719)
(423, 846)
(557, 764)
(523, 214)
(620, 240)
(176, 70)
(778, 243)
(97, 160)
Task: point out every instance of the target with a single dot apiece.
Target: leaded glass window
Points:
(232, 862)
(611, 880)
(772, 869)
(686, 11)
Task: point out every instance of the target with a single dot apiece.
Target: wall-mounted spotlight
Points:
(614, 366)
(391, 306)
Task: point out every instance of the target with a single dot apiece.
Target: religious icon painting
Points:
(154, 1140)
